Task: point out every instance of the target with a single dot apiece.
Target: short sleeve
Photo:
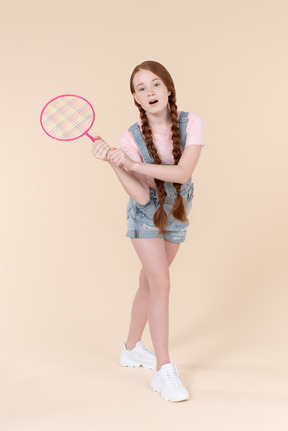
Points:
(194, 130)
(129, 146)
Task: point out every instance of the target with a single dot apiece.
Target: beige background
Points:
(68, 273)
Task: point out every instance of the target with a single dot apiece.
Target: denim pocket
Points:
(148, 207)
(144, 207)
(146, 210)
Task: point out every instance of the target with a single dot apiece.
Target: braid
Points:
(178, 209)
(160, 216)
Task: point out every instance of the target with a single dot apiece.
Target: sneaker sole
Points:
(132, 364)
(155, 388)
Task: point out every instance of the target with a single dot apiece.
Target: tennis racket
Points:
(67, 117)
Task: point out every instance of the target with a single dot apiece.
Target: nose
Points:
(151, 90)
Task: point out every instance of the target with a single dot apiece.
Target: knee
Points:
(157, 283)
(160, 285)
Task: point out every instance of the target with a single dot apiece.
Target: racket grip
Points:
(92, 137)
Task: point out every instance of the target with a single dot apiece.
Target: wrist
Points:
(134, 166)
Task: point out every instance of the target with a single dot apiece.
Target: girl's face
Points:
(150, 92)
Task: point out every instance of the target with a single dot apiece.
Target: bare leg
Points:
(139, 312)
(152, 298)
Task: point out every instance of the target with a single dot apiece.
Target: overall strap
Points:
(137, 135)
(183, 120)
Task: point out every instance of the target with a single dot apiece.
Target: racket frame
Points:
(84, 133)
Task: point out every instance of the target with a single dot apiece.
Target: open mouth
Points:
(153, 102)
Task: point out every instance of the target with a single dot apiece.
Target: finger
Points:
(110, 150)
(99, 144)
(116, 153)
(96, 145)
(106, 152)
(103, 153)
(99, 148)
(114, 158)
(102, 148)
(111, 155)
(117, 161)
(96, 141)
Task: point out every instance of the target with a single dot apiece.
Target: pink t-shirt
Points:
(163, 143)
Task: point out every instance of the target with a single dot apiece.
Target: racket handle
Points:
(92, 137)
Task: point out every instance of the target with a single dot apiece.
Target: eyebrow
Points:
(142, 83)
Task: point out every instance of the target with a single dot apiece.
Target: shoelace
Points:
(174, 379)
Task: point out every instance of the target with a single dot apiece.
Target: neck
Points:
(159, 120)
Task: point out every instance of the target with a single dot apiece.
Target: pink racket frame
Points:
(71, 139)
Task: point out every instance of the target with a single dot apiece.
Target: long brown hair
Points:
(178, 210)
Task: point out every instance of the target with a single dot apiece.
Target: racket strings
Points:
(67, 117)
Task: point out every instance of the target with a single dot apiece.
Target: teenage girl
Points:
(154, 164)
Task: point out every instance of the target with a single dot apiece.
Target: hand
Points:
(119, 158)
(100, 149)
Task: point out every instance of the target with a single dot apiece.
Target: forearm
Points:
(170, 173)
(136, 189)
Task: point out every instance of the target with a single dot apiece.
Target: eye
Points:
(141, 89)
(157, 84)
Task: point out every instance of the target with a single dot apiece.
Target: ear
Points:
(169, 93)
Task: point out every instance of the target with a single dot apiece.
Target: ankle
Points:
(130, 346)
(160, 363)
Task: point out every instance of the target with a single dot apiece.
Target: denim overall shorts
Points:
(140, 217)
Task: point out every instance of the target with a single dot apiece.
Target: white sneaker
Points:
(140, 356)
(167, 382)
